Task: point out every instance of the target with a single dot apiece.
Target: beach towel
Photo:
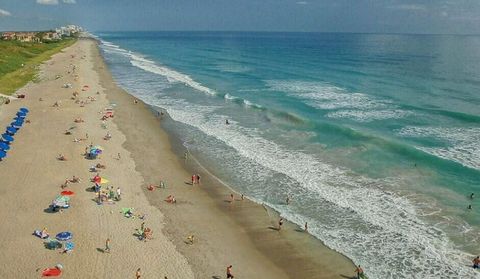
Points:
(38, 233)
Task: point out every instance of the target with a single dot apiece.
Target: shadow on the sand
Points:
(90, 189)
(189, 183)
(216, 277)
(348, 277)
(273, 228)
(100, 250)
(50, 210)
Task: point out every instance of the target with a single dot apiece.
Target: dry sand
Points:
(225, 233)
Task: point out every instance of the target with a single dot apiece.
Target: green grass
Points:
(13, 54)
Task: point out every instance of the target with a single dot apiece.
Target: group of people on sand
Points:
(145, 233)
(108, 194)
(171, 199)
(195, 179)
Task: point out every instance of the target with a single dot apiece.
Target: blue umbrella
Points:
(64, 236)
(4, 146)
(3, 154)
(11, 130)
(17, 124)
(19, 119)
(7, 137)
(21, 114)
(25, 110)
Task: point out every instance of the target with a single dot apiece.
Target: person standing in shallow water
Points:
(476, 262)
(360, 273)
(280, 223)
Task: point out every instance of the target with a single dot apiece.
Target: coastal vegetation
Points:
(19, 61)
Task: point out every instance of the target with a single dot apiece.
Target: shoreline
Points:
(304, 256)
(225, 233)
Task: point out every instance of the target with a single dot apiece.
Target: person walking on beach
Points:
(476, 262)
(229, 272)
(193, 179)
(306, 227)
(360, 274)
(280, 223)
(232, 199)
(107, 246)
(138, 274)
(185, 155)
(119, 193)
(287, 200)
(197, 176)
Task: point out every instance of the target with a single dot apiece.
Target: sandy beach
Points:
(240, 233)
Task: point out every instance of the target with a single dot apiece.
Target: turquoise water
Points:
(375, 137)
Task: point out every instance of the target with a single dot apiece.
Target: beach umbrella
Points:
(24, 110)
(53, 244)
(64, 236)
(67, 193)
(18, 119)
(3, 154)
(11, 130)
(4, 146)
(7, 138)
(61, 198)
(21, 114)
(17, 124)
(69, 246)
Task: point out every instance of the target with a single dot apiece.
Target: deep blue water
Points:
(374, 137)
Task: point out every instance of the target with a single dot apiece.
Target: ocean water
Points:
(376, 138)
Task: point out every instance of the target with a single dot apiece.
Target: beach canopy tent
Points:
(64, 236)
(24, 110)
(4, 146)
(11, 130)
(62, 198)
(3, 154)
(7, 138)
(61, 201)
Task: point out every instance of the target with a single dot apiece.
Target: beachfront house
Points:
(8, 36)
(51, 36)
(27, 37)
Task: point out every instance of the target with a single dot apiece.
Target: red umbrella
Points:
(67, 193)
